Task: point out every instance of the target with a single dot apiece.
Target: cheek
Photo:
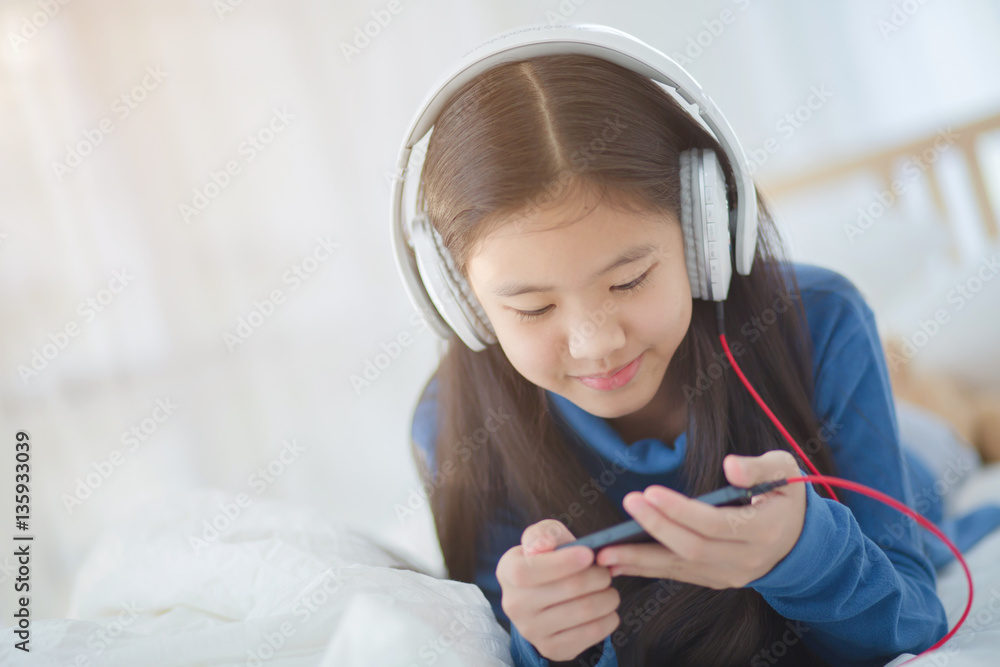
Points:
(510, 336)
(534, 357)
(666, 311)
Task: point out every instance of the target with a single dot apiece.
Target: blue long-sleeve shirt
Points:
(861, 579)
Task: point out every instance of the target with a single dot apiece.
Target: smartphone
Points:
(631, 532)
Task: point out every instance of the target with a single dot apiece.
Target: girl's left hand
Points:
(717, 547)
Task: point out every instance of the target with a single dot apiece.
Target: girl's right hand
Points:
(560, 601)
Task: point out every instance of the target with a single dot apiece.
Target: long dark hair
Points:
(513, 139)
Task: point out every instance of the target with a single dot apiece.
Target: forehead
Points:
(564, 245)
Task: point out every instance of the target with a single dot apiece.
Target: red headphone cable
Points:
(720, 318)
(826, 480)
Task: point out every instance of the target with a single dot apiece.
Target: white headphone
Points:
(439, 291)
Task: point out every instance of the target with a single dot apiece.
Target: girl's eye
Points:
(630, 287)
(521, 315)
(635, 284)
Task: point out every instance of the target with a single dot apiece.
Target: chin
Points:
(603, 411)
(611, 405)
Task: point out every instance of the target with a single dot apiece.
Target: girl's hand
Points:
(717, 547)
(560, 601)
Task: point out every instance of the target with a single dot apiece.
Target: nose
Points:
(596, 336)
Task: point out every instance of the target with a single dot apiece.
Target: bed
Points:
(283, 588)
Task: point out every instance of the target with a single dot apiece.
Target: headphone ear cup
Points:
(691, 225)
(451, 294)
(705, 223)
(715, 215)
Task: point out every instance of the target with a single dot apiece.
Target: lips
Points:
(617, 380)
(606, 375)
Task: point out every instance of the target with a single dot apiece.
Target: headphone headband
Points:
(586, 39)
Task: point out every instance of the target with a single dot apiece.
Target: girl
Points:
(576, 256)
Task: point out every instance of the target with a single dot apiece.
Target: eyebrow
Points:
(631, 255)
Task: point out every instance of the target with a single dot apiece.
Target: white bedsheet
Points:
(278, 578)
(977, 642)
(282, 588)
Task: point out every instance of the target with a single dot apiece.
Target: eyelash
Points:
(630, 287)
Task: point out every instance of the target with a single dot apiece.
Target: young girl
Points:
(575, 253)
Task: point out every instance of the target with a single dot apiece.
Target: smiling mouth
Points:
(608, 374)
(617, 380)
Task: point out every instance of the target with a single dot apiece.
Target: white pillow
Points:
(277, 576)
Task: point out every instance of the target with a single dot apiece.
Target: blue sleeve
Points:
(857, 581)
(502, 534)
(525, 655)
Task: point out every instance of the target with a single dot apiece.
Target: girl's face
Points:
(587, 298)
